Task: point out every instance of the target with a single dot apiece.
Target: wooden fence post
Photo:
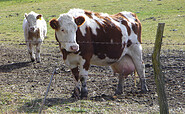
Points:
(159, 78)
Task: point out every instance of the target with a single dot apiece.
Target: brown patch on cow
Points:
(54, 24)
(75, 73)
(135, 28)
(84, 42)
(121, 15)
(129, 43)
(126, 25)
(107, 40)
(98, 15)
(89, 14)
(124, 44)
(134, 15)
(139, 29)
(87, 63)
(32, 35)
(121, 18)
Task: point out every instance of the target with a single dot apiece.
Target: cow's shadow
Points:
(13, 66)
(35, 105)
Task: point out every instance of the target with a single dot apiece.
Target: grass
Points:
(150, 13)
(170, 12)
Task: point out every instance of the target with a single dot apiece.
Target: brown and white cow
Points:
(35, 30)
(87, 37)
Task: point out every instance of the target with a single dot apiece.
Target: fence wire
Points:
(22, 42)
(19, 75)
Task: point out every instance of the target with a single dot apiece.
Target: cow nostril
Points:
(74, 48)
(32, 28)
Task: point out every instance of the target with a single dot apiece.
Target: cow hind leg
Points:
(136, 55)
(119, 89)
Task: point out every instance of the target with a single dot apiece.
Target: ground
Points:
(23, 84)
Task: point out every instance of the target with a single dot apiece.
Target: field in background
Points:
(149, 12)
(11, 37)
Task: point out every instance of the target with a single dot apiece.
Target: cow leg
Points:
(76, 92)
(83, 79)
(38, 52)
(119, 89)
(136, 55)
(30, 51)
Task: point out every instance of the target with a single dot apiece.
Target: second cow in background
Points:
(35, 30)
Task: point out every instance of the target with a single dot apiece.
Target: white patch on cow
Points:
(75, 60)
(111, 41)
(129, 16)
(102, 62)
(72, 60)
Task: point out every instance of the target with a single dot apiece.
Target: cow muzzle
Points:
(33, 29)
(74, 48)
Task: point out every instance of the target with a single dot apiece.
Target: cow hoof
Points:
(84, 93)
(38, 61)
(32, 59)
(144, 90)
(117, 92)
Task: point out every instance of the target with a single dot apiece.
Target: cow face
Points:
(32, 19)
(65, 28)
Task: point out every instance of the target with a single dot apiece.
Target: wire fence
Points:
(19, 75)
(22, 42)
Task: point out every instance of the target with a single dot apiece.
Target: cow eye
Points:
(62, 30)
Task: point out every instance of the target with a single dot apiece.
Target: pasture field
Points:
(23, 84)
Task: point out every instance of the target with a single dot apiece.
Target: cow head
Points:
(32, 19)
(65, 28)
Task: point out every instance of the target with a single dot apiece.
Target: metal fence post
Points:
(159, 77)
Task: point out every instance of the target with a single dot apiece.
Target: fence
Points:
(20, 76)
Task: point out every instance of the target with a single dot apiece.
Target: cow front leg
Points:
(30, 51)
(38, 52)
(76, 91)
(84, 91)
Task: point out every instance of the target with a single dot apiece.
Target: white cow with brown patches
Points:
(35, 30)
(87, 37)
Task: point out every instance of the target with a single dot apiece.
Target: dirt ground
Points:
(29, 80)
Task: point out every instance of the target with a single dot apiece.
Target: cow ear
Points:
(79, 21)
(54, 24)
(25, 15)
(39, 16)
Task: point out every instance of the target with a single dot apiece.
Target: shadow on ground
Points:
(13, 66)
(35, 105)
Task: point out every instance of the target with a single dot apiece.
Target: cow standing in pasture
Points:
(87, 37)
(35, 30)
